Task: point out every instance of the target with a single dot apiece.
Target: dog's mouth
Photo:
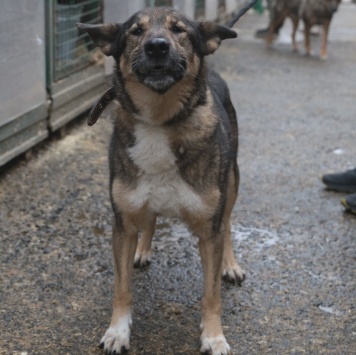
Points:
(160, 77)
(159, 70)
(152, 70)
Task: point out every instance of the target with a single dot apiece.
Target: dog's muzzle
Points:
(159, 66)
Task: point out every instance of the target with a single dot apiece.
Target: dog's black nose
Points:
(157, 47)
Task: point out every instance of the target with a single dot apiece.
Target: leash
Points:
(100, 106)
(109, 95)
(241, 12)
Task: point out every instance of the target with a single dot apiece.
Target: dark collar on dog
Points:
(100, 106)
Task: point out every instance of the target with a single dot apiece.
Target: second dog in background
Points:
(311, 12)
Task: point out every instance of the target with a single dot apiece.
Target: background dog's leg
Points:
(143, 251)
(295, 22)
(307, 28)
(117, 337)
(270, 35)
(231, 270)
(212, 337)
(324, 40)
(275, 24)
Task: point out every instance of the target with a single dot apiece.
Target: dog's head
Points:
(158, 46)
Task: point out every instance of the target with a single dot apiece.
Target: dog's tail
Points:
(241, 12)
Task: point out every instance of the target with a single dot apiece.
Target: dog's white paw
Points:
(233, 273)
(214, 346)
(142, 259)
(117, 338)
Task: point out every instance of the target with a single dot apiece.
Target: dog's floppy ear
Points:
(212, 34)
(104, 36)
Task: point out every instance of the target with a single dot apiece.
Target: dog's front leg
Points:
(211, 248)
(117, 337)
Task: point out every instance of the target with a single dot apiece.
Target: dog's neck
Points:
(150, 107)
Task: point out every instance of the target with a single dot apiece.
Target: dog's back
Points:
(312, 11)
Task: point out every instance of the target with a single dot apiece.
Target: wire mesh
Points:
(152, 3)
(199, 9)
(73, 51)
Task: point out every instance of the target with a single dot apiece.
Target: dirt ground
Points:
(297, 120)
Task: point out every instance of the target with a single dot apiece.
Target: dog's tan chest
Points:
(159, 183)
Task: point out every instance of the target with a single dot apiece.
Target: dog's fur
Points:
(311, 12)
(173, 152)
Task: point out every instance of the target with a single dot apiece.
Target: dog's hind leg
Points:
(275, 24)
(307, 28)
(143, 252)
(231, 270)
(117, 338)
(324, 43)
(295, 22)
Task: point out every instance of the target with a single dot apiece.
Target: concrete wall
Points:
(22, 57)
(121, 10)
(185, 6)
(23, 96)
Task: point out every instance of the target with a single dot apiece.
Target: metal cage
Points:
(152, 3)
(68, 50)
(199, 9)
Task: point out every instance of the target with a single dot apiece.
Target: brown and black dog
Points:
(311, 12)
(173, 152)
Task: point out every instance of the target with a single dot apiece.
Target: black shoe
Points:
(349, 203)
(344, 182)
(263, 33)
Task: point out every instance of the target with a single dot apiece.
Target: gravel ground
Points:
(297, 121)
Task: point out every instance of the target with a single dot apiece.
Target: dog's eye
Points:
(137, 31)
(177, 29)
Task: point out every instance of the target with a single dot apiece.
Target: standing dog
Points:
(312, 12)
(173, 152)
